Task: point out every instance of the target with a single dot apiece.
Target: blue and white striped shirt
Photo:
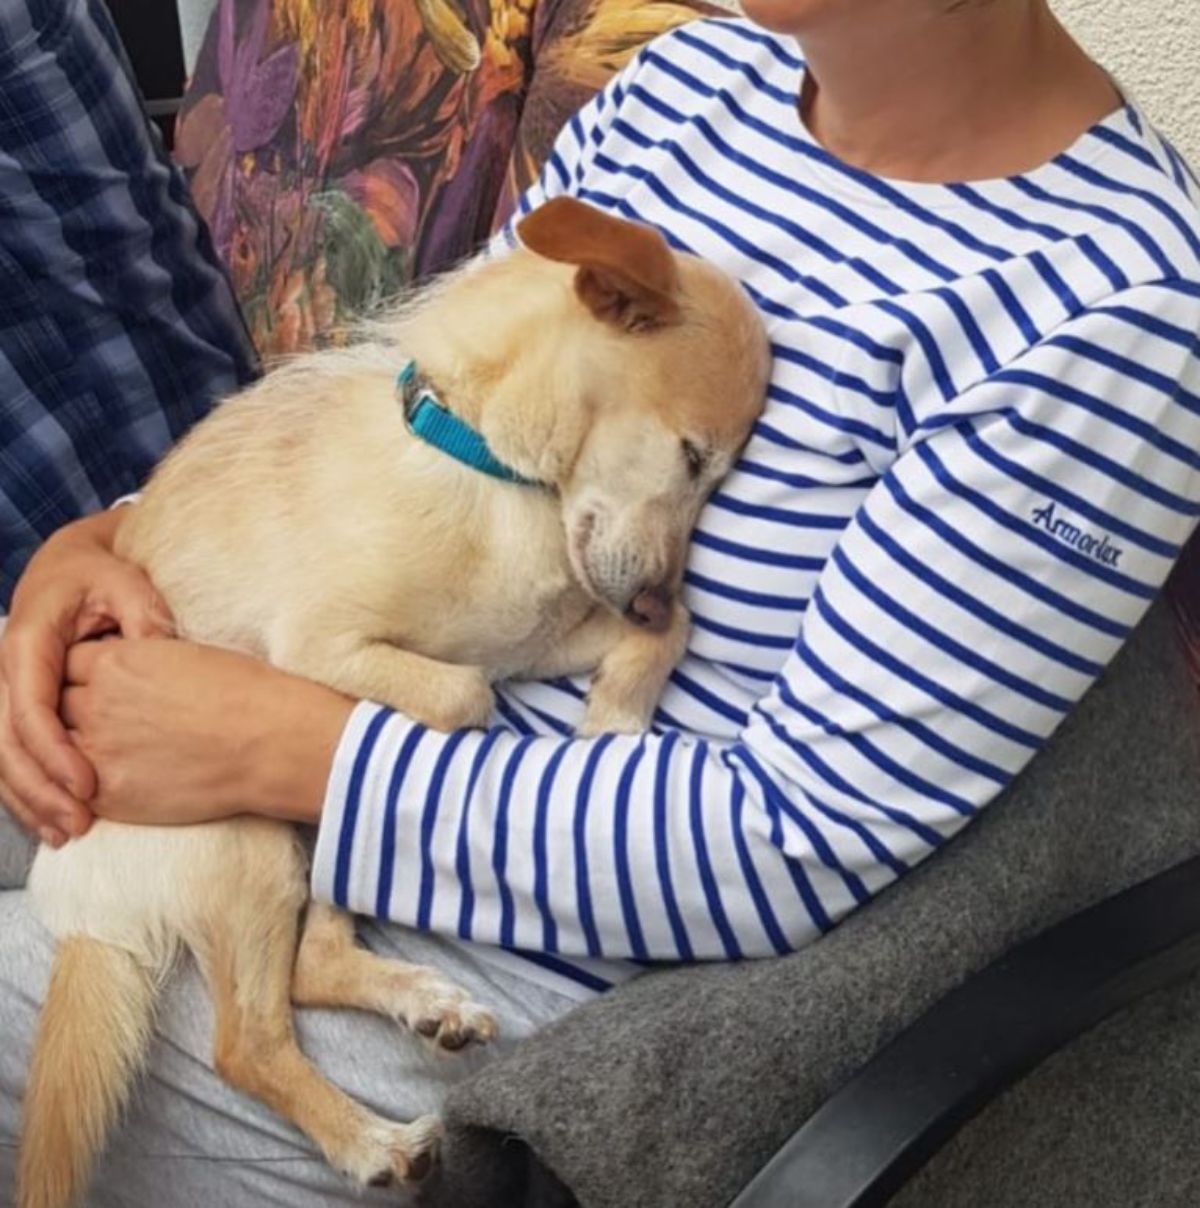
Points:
(977, 464)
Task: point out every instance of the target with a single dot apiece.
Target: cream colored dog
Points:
(305, 522)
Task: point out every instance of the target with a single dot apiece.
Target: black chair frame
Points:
(861, 1146)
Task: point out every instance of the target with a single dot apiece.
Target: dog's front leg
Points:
(582, 649)
(631, 676)
(446, 696)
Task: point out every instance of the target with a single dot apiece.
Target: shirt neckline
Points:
(865, 188)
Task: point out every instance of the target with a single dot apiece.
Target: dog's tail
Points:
(92, 1038)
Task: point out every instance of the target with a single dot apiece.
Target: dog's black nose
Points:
(651, 608)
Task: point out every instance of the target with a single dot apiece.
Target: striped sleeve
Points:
(983, 585)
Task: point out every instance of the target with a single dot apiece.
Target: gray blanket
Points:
(674, 1090)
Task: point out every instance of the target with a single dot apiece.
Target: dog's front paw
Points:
(446, 1017)
(457, 698)
(388, 1153)
(471, 708)
(607, 718)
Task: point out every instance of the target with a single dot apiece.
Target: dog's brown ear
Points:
(627, 274)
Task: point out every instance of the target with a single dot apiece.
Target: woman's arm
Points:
(983, 586)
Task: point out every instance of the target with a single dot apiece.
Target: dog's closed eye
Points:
(696, 458)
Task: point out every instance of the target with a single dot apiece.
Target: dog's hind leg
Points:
(333, 971)
(248, 961)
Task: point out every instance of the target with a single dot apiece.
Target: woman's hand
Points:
(75, 587)
(182, 733)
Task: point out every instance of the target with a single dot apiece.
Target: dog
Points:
(607, 383)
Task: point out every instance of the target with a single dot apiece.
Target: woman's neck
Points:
(915, 92)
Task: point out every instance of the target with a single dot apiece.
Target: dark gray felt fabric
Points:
(671, 1092)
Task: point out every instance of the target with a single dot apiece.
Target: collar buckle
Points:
(431, 421)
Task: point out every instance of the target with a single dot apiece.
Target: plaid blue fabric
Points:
(118, 327)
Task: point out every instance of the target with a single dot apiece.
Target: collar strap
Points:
(430, 420)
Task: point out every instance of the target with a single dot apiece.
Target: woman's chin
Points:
(791, 16)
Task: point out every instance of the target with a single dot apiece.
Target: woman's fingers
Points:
(9, 802)
(33, 799)
(74, 587)
(33, 658)
(81, 665)
(71, 709)
(128, 603)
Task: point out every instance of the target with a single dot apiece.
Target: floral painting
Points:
(578, 47)
(339, 149)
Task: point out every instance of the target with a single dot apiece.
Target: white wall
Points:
(1153, 48)
(193, 20)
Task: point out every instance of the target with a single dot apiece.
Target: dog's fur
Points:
(303, 522)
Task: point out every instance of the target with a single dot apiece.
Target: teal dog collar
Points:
(430, 420)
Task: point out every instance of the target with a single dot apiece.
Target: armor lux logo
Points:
(1098, 547)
